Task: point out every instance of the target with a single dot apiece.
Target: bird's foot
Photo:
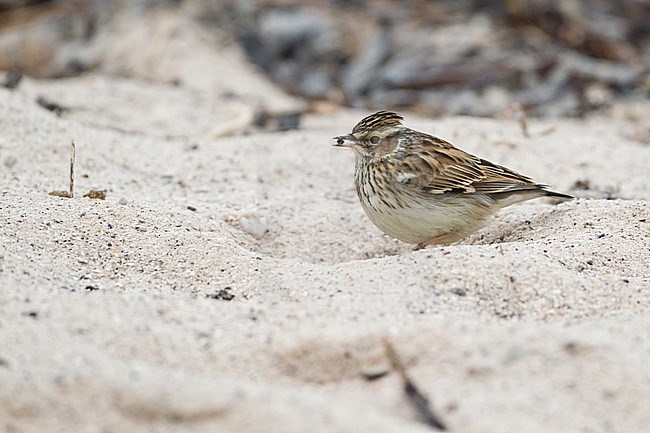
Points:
(442, 239)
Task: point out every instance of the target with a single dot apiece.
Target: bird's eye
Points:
(374, 139)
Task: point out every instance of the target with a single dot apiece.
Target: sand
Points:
(117, 315)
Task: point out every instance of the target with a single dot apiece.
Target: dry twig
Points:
(520, 116)
(73, 158)
(414, 395)
(70, 192)
(54, 107)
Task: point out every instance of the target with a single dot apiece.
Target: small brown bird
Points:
(421, 189)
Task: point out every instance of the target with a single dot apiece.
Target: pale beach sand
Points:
(110, 317)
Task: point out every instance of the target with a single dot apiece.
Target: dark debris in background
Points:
(551, 57)
(449, 57)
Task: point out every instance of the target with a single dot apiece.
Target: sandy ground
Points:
(113, 314)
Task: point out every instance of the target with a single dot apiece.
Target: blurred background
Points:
(550, 57)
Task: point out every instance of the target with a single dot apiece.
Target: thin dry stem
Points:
(73, 157)
(414, 395)
(520, 115)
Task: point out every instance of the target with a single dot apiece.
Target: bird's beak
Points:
(345, 141)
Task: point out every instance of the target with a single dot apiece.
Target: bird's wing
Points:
(435, 166)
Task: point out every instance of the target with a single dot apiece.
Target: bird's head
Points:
(374, 136)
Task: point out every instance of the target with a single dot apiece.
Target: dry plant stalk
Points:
(70, 192)
(520, 116)
(73, 157)
(414, 395)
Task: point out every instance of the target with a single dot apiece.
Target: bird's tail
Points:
(528, 192)
(557, 195)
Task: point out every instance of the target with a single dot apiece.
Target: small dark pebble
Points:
(261, 119)
(225, 294)
(13, 78)
(192, 208)
(571, 348)
(31, 313)
(288, 122)
(91, 288)
(10, 161)
(460, 291)
(600, 236)
(282, 122)
(373, 375)
(51, 106)
(581, 185)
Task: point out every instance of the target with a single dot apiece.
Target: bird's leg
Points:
(435, 240)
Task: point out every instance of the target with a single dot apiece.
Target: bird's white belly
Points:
(418, 221)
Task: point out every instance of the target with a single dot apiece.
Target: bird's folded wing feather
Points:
(437, 167)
